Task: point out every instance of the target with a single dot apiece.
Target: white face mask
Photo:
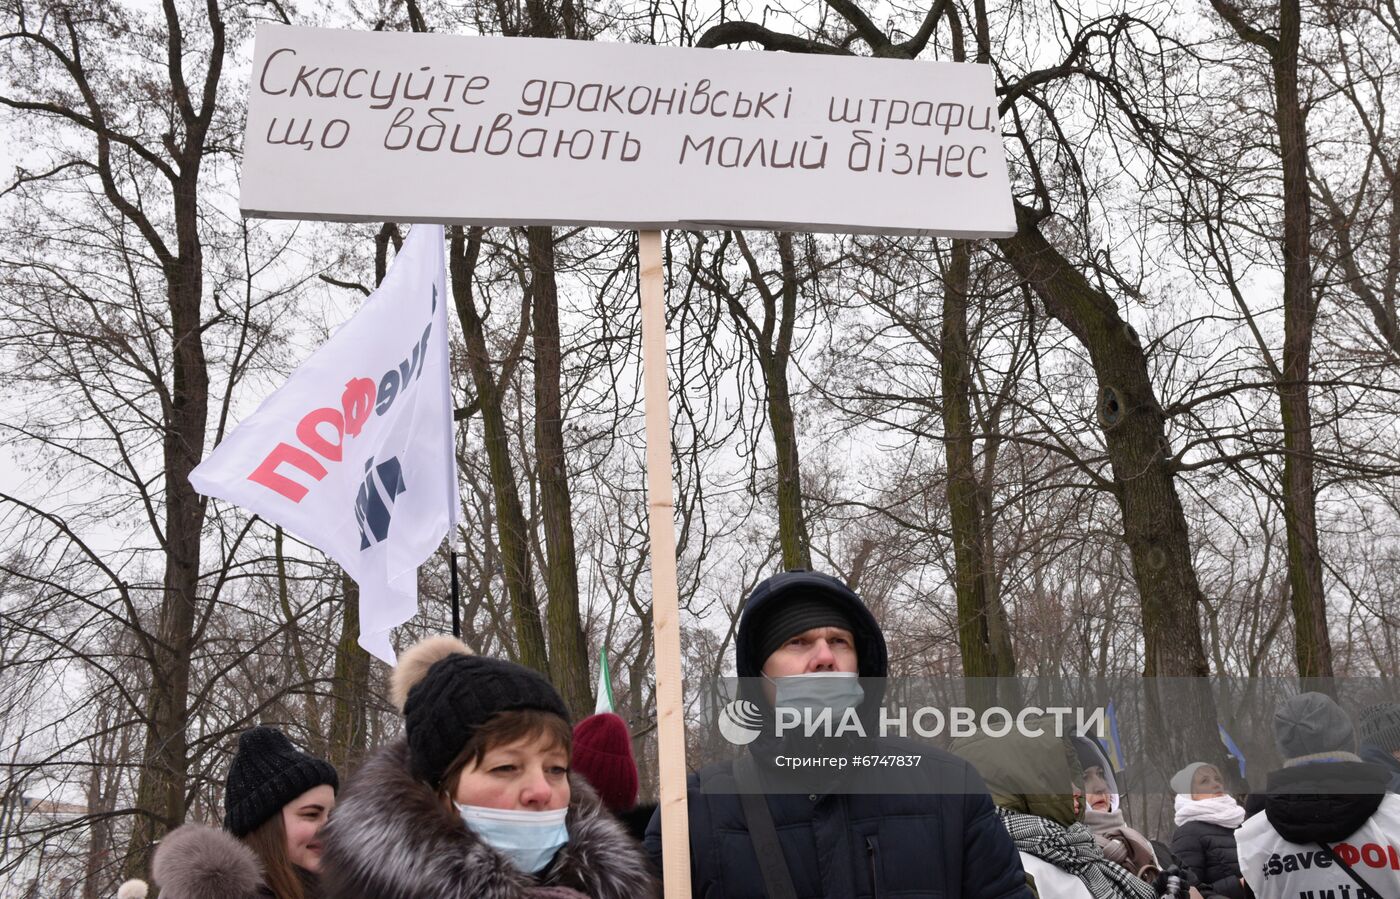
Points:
(529, 839)
(835, 690)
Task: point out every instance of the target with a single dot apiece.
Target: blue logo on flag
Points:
(374, 504)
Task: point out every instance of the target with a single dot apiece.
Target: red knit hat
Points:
(602, 753)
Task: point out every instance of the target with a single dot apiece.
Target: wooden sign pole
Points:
(665, 603)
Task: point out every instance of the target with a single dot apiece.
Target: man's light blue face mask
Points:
(835, 690)
(529, 839)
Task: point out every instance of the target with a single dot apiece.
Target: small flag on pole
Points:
(355, 454)
(1234, 749)
(605, 696)
(1114, 744)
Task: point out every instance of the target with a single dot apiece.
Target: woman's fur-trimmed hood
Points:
(199, 862)
(392, 838)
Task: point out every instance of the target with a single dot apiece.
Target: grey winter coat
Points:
(199, 862)
(392, 838)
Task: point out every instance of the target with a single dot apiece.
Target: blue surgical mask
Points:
(529, 839)
(835, 690)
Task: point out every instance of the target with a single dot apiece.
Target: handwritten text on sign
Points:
(349, 125)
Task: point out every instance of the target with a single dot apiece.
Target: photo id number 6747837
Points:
(886, 761)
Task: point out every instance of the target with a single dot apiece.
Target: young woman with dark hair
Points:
(276, 800)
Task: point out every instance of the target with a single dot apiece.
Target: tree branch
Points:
(916, 44)
(878, 41)
(1236, 20)
(727, 33)
(348, 285)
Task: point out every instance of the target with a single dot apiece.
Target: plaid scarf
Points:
(1072, 849)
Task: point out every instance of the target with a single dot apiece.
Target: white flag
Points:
(605, 697)
(355, 453)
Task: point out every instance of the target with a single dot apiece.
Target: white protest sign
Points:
(350, 126)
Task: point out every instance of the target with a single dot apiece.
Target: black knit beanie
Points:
(1380, 726)
(793, 615)
(267, 773)
(456, 696)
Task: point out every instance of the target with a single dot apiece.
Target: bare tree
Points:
(510, 518)
(132, 149)
(769, 335)
(1313, 645)
(1130, 416)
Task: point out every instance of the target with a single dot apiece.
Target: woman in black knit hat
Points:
(276, 800)
(476, 801)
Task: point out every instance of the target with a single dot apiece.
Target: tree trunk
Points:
(1312, 645)
(983, 632)
(160, 792)
(350, 689)
(792, 521)
(772, 342)
(568, 650)
(317, 743)
(511, 530)
(103, 783)
(1154, 524)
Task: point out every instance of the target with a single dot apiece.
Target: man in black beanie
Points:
(812, 641)
(809, 633)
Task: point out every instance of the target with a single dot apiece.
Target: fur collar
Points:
(199, 862)
(391, 838)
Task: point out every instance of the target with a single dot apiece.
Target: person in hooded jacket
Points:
(808, 638)
(276, 802)
(476, 801)
(1380, 739)
(1206, 820)
(1329, 826)
(1057, 850)
(1103, 814)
